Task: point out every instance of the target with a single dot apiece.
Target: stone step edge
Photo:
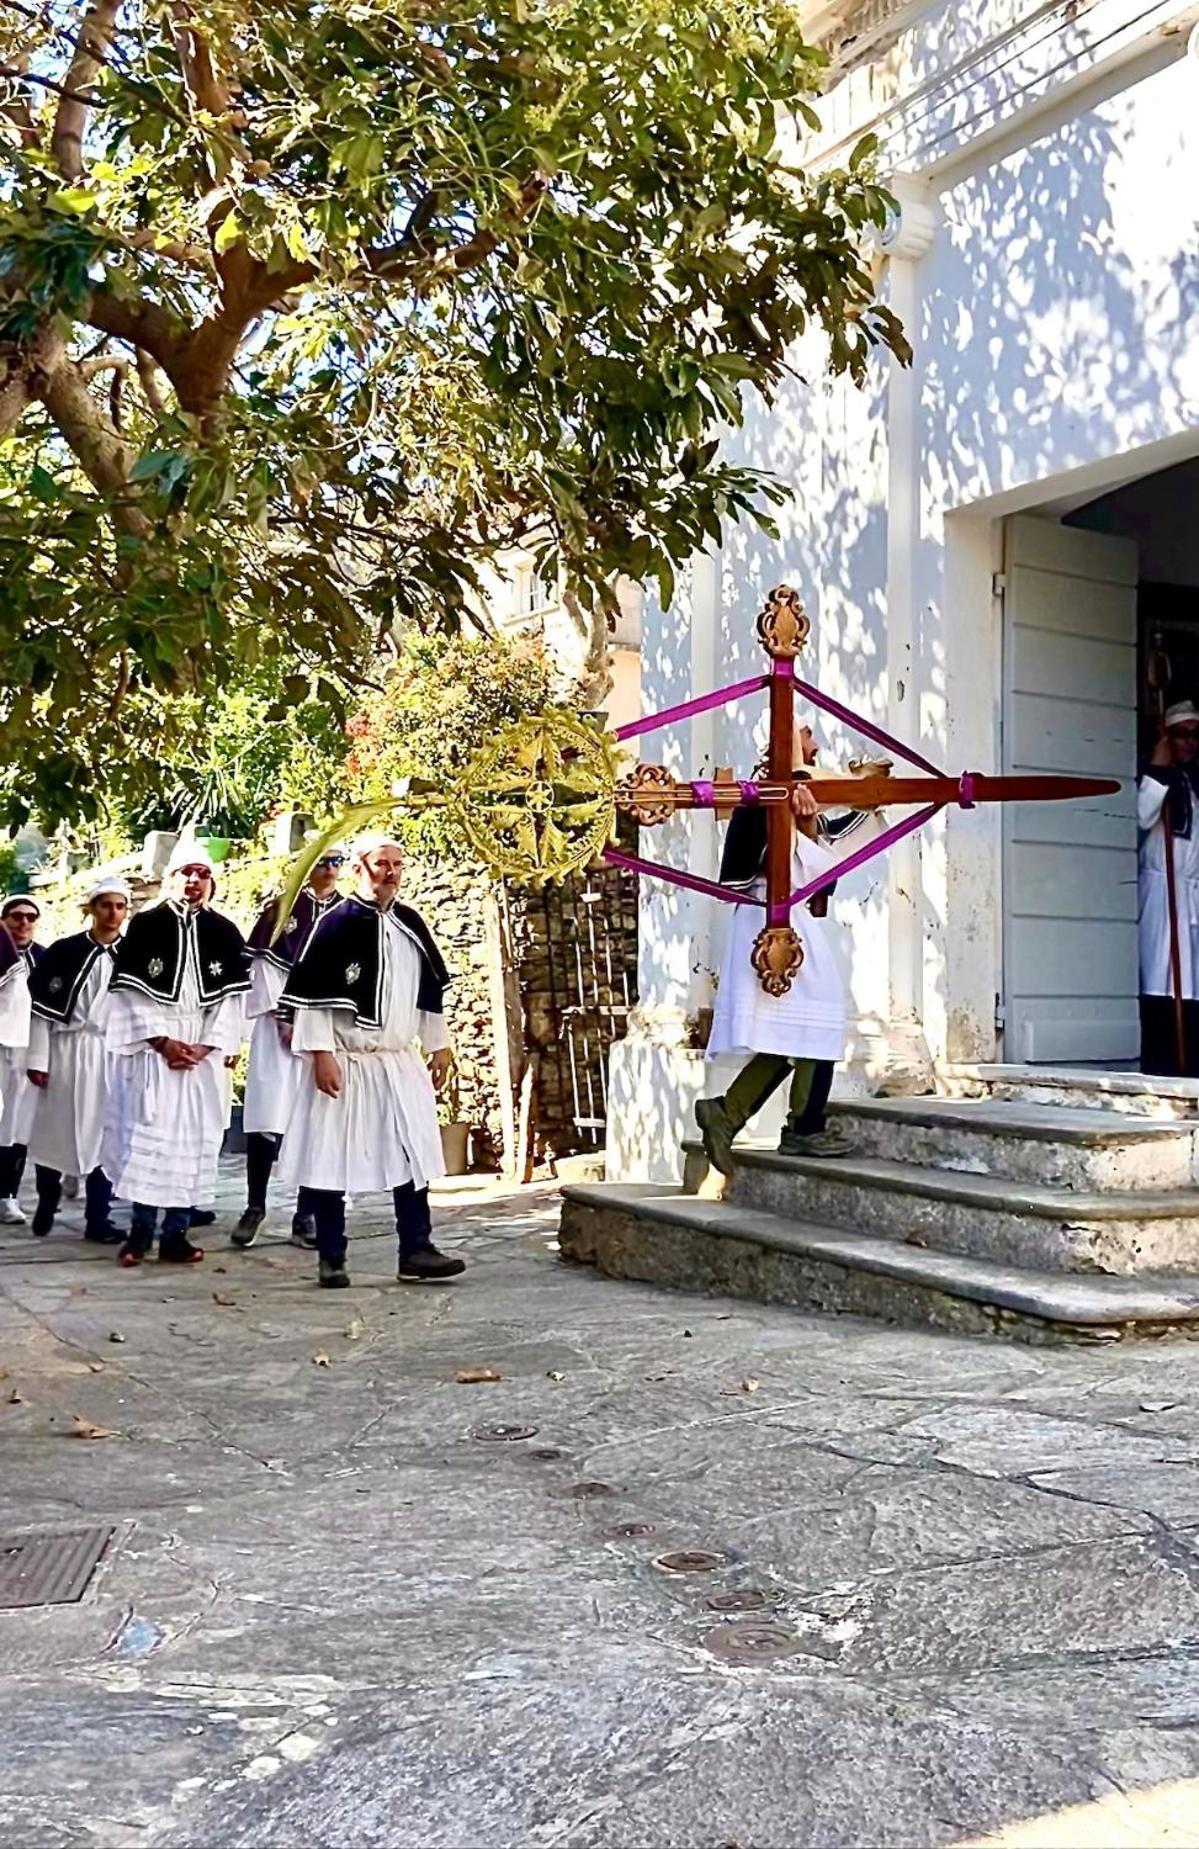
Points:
(988, 1193)
(1024, 1122)
(1071, 1078)
(1049, 1296)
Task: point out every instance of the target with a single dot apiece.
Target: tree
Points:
(307, 307)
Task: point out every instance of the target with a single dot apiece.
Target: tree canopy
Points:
(307, 307)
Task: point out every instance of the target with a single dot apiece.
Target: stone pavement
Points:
(957, 1597)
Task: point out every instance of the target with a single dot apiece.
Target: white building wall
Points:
(1057, 352)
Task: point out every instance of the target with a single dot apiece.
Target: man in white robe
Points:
(798, 1036)
(176, 1012)
(368, 995)
(1169, 784)
(273, 1071)
(18, 915)
(68, 1063)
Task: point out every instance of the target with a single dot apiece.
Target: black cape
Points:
(150, 957)
(58, 975)
(341, 966)
(743, 857)
(306, 914)
(11, 958)
(1182, 783)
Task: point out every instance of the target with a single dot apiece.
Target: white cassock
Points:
(17, 1096)
(382, 1130)
(273, 1072)
(808, 1022)
(68, 1116)
(163, 1131)
(1153, 903)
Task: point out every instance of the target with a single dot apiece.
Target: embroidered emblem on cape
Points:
(154, 968)
(353, 971)
(215, 968)
(55, 985)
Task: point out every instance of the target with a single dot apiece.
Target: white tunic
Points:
(382, 1129)
(273, 1071)
(68, 1118)
(1153, 901)
(17, 1096)
(809, 1021)
(163, 1130)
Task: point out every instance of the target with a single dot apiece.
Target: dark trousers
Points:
(760, 1078)
(12, 1167)
(262, 1152)
(143, 1221)
(97, 1195)
(414, 1224)
(1159, 1045)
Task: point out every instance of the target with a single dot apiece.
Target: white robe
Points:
(382, 1130)
(273, 1071)
(68, 1116)
(163, 1130)
(1153, 902)
(18, 1097)
(808, 1022)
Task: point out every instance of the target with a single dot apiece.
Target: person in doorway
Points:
(1168, 787)
(366, 991)
(19, 915)
(273, 1070)
(68, 1062)
(177, 1005)
(798, 1036)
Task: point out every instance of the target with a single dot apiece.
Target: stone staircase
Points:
(1044, 1221)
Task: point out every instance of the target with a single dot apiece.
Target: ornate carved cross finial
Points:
(783, 626)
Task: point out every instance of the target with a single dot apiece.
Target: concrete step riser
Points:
(1005, 1235)
(1164, 1163)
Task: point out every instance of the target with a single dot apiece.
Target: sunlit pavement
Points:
(689, 1572)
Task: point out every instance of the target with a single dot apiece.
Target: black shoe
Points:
(246, 1231)
(717, 1130)
(331, 1276)
(43, 1220)
(179, 1250)
(202, 1216)
(303, 1231)
(428, 1266)
(104, 1235)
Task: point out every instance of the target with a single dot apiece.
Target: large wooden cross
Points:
(650, 795)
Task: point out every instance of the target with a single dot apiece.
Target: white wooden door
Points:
(1069, 873)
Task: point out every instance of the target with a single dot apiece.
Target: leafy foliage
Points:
(307, 308)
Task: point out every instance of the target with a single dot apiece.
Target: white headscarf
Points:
(370, 844)
(190, 854)
(19, 898)
(103, 888)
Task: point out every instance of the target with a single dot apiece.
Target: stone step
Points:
(661, 1236)
(1060, 1147)
(1134, 1094)
(1019, 1223)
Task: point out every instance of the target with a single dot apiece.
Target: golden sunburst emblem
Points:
(538, 802)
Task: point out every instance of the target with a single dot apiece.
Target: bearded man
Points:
(177, 1007)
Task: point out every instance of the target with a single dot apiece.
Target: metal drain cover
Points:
(547, 1454)
(692, 1560)
(502, 1434)
(49, 1569)
(581, 1492)
(627, 1531)
(751, 1643)
(749, 1600)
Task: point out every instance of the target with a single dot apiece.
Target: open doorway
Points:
(1101, 619)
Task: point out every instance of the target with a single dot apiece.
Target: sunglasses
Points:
(21, 917)
(1190, 732)
(332, 860)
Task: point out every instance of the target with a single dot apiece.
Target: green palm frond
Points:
(348, 823)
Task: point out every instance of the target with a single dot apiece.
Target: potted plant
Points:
(455, 1135)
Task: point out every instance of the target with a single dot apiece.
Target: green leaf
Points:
(230, 231)
(42, 484)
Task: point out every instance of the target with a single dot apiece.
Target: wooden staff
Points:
(1158, 675)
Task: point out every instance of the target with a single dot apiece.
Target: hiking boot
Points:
(303, 1231)
(246, 1231)
(10, 1213)
(331, 1276)
(43, 1220)
(817, 1143)
(105, 1234)
(179, 1250)
(717, 1129)
(426, 1265)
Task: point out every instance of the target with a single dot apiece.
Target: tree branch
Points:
(141, 324)
(104, 458)
(149, 384)
(91, 53)
(405, 258)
